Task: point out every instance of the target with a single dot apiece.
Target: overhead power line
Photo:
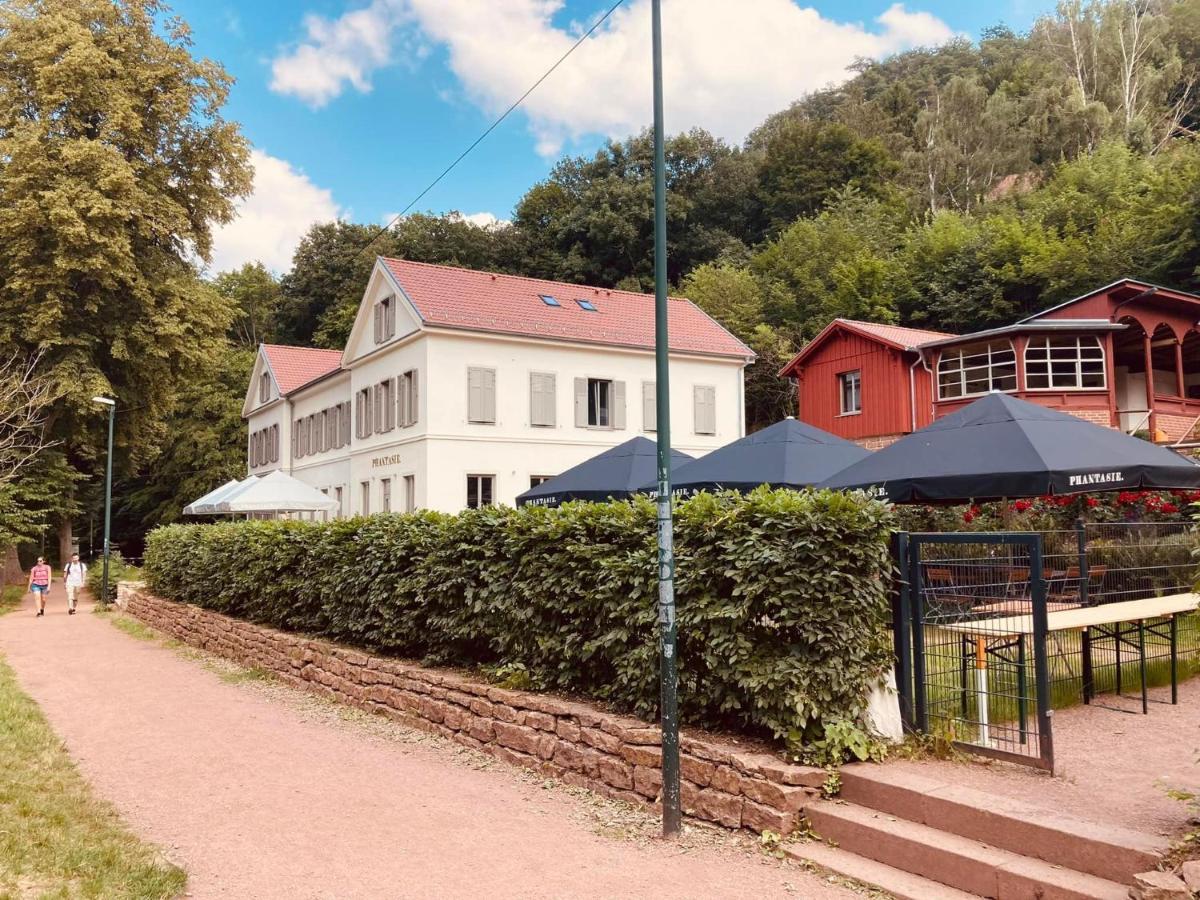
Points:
(504, 115)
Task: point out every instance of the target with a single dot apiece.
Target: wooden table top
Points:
(1082, 616)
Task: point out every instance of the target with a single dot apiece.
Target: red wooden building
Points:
(1126, 355)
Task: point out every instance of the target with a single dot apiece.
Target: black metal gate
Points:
(971, 642)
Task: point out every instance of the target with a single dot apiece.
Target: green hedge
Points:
(782, 597)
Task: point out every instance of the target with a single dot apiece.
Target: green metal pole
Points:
(112, 412)
(669, 664)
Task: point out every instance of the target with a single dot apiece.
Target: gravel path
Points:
(261, 791)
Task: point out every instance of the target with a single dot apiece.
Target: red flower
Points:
(1022, 505)
(1093, 502)
(1168, 508)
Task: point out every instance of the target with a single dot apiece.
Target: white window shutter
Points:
(550, 399)
(489, 395)
(345, 423)
(649, 407)
(705, 413)
(618, 404)
(474, 395)
(581, 403)
(413, 398)
(541, 399)
(377, 309)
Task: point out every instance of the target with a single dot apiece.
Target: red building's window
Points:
(977, 369)
(850, 386)
(1064, 363)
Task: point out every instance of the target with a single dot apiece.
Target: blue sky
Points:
(353, 106)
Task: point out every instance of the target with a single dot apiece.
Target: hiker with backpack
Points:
(74, 578)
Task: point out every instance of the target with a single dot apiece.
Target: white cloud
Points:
(271, 221)
(342, 50)
(483, 219)
(726, 65)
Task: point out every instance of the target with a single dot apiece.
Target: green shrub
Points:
(118, 570)
(782, 597)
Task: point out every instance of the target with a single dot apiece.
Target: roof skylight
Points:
(587, 304)
(549, 301)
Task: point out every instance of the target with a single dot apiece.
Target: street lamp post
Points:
(112, 412)
(668, 660)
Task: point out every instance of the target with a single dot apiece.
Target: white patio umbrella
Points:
(203, 506)
(275, 493)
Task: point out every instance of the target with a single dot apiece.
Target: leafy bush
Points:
(118, 570)
(782, 597)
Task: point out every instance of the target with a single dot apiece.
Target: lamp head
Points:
(104, 401)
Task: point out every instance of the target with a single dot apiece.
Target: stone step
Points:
(963, 863)
(898, 883)
(1108, 852)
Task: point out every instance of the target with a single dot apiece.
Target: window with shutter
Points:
(649, 407)
(542, 399)
(402, 398)
(346, 423)
(365, 487)
(705, 413)
(410, 493)
(481, 396)
(377, 312)
(274, 443)
(603, 404)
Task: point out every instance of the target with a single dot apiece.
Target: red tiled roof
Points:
(510, 304)
(894, 334)
(295, 367)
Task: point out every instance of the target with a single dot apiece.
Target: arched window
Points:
(1054, 362)
(977, 369)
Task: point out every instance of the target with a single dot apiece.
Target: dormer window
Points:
(385, 319)
(264, 387)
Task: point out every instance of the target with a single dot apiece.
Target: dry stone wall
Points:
(617, 756)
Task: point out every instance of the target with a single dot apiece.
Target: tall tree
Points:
(592, 222)
(115, 164)
(253, 294)
(806, 163)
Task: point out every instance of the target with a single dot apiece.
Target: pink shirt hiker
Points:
(41, 574)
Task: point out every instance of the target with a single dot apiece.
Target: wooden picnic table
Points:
(1107, 618)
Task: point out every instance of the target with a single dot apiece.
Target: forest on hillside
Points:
(953, 188)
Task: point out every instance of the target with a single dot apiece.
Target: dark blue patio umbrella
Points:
(1001, 447)
(787, 454)
(612, 475)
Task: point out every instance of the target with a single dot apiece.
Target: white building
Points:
(460, 388)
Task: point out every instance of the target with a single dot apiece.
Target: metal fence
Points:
(978, 663)
(978, 632)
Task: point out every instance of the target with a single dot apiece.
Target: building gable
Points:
(385, 315)
(254, 391)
